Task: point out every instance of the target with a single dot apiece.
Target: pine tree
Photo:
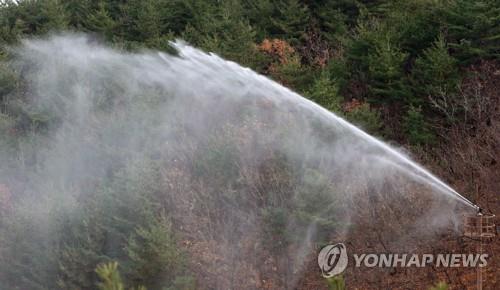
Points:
(260, 14)
(56, 16)
(440, 286)
(78, 12)
(387, 80)
(365, 117)
(473, 29)
(436, 71)
(100, 21)
(416, 127)
(325, 92)
(332, 20)
(291, 20)
(28, 18)
(155, 258)
(110, 277)
(336, 283)
(119, 222)
(223, 30)
(144, 20)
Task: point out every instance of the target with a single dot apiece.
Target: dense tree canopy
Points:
(385, 53)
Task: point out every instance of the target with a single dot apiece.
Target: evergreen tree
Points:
(78, 12)
(440, 286)
(291, 20)
(260, 14)
(144, 20)
(100, 20)
(222, 30)
(366, 117)
(8, 17)
(56, 16)
(110, 277)
(155, 258)
(293, 73)
(178, 13)
(418, 23)
(473, 29)
(149, 22)
(436, 71)
(325, 92)
(417, 128)
(332, 24)
(120, 223)
(387, 79)
(336, 283)
(29, 18)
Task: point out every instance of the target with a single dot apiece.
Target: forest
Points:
(422, 74)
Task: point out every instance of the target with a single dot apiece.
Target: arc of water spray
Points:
(419, 178)
(423, 174)
(426, 175)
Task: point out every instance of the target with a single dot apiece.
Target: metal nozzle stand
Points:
(479, 227)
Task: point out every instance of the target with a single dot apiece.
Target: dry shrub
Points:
(474, 101)
(315, 49)
(278, 49)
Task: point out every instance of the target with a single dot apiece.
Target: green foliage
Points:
(146, 20)
(294, 74)
(315, 203)
(78, 12)
(183, 283)
(440, 286)
(436, 72)
(391, 36)
(101, 21)
(260, 14)
(223, 30)
(332, 20)
(325, 92)
(56, 15)
(120, 223)
(473, 30)
(379, 61)
(7, 81)
(216, 161)
(390, 53)
(416, 127)
(416, 23)
(291, 20)
(7, 145)
(336, 283)
(311, 208)
(110, 277)
(275, 227)
(154, 255)
(385, 71)
(367, 118)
